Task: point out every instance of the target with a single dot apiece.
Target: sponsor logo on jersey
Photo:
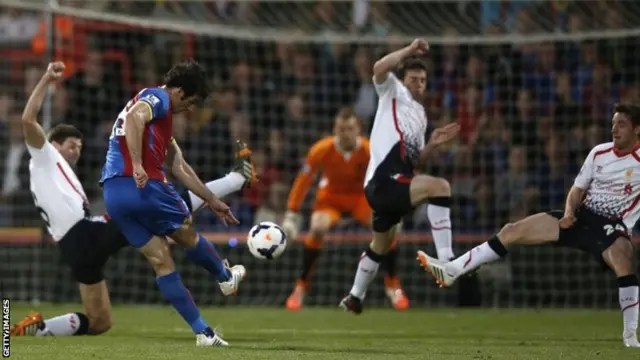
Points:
(152, 99)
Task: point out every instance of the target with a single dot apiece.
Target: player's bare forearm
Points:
(192, 182)
(389, 62)
(425, 154)
(187, 176)
(34, 133)
(574, 198)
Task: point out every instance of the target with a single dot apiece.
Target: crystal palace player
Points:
(145, 206)
(343, 159)
(85, 242)
(601, 210)
(397, 152)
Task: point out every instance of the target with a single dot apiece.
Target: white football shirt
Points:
(399, 129)
(56, 190)
(612, 183)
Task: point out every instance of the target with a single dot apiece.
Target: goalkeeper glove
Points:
(291, 224)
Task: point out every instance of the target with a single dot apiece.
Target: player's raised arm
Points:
(390, 61)
(34, 134)
(187, 176)
(438, 137)
(301, 185)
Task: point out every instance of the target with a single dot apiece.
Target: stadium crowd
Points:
(529, 112)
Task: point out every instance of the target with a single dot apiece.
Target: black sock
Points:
(374, 256)
(627, 281)
(444, 201)
(495, 245)
(391, 261)
(83, 329)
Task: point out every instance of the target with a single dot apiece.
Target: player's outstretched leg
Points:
(242, 175)
(619, 257)
(392, 287)
(203, 253)
(321, 222)
(535, 229)
(95, 320)
(63, 325)
(174, 291)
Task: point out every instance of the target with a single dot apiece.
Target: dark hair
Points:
(632, 111)
(412, 63)
(190, 77)
(62, 132)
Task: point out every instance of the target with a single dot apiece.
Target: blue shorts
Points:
(156, 209)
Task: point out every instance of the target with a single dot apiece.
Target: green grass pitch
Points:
(157, 333)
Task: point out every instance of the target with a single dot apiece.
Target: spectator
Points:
(510, 187)
(470, 113)
(92, 104)
(366, 98)
(214, 123)
(267, 173)
(554, 176)
(523, 124)
(276, 205)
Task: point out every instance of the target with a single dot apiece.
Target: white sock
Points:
(367, 270)
(472, 259)
(63, 325)
(439, 217)
(628, 298)
(222, 187)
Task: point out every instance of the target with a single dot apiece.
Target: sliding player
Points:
(397, 153)
(342, 158)
(601, 224)
(145, 206)
(61, 201)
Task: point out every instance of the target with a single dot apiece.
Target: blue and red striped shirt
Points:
(156, 138)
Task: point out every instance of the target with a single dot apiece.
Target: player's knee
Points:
(186, 235)
(159, 257)
(99, 325)
(318, 232)
(509, 233)
(619, 257)
(382, 242)
(424, 187)
(320, 224)
(441, 187)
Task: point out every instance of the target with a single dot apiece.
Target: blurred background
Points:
(532, 84)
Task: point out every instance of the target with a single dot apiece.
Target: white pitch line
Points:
(285, 331)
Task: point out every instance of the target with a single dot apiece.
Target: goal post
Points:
(532, 97)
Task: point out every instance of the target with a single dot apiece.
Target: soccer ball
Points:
(267, 241)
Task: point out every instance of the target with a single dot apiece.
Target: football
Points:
(267, 241)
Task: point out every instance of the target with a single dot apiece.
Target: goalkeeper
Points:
(342, 159)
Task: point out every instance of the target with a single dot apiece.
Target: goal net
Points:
(531, 83)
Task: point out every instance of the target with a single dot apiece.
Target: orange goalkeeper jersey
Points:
(342, 173)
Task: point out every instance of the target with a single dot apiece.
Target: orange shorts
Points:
(337, 204)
